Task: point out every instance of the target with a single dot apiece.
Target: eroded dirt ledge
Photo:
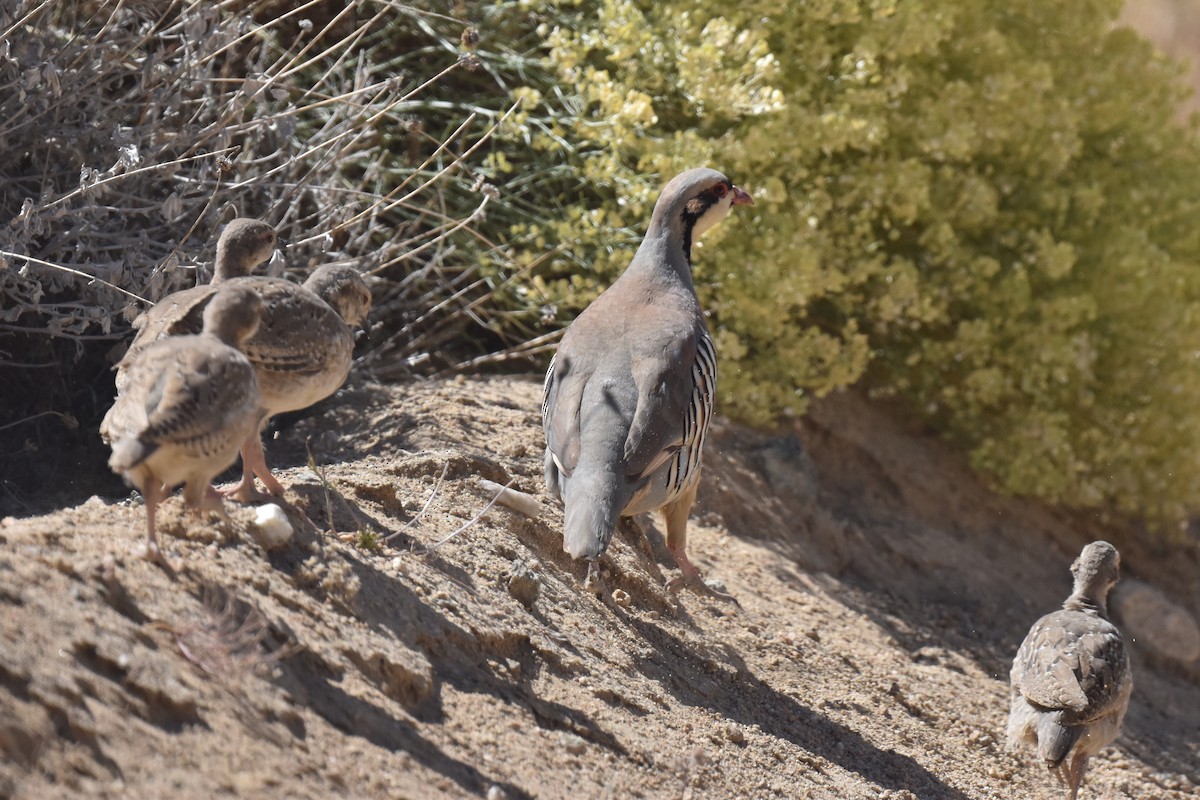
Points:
(883, 592)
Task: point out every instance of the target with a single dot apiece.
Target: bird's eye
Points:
(720, 189)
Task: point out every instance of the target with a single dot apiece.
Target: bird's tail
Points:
(129, 452)
(1055, 739)
(594, 496)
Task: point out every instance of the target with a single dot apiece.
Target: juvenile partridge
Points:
(1071, 679)
(243, 245)
(302, 351)
(629, 394)
(189, 403)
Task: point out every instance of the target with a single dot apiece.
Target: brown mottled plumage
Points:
(629, 394)
(302, 349)
(188, 404)
(1071, 679)
(243, 245)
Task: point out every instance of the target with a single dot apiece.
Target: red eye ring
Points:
(720, 190)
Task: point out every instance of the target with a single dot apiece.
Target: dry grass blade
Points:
(425, 508)
(420, 550)
(227, 640)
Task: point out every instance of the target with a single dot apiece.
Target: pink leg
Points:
(1075, 774)
(254, 462)
(200, 496)
(675, 514)
(153, 492)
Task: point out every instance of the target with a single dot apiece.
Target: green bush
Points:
(985, 207)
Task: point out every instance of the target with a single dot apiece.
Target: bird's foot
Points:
(692, 579)
(593, 582)
(154, 554)
(214, 502)
(273, 486)
(246, 491)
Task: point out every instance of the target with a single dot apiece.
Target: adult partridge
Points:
(1071, 678)
(629, 394)
(243, 245)
(188, 405)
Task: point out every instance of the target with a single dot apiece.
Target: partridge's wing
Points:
(298, 332)
(676, 390)
(206, 387)
(562, 396)
(1072, 661)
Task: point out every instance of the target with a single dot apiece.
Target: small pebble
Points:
(272, 527)
(574, 743)
(716, 585)
(622, 598)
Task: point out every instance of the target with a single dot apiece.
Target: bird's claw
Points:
(247, 492)
(154, 555)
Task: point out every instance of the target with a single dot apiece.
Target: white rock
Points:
(516, 500)
(272, 527)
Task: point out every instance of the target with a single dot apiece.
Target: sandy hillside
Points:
(883, 591)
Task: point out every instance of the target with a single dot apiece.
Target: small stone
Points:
(494, 792)
(716, 585)
(272, 527)
(735, 734)
(622, 598)
(574, 743)
(524, 583)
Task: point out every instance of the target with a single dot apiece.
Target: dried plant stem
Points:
(428, 502)
(426, 551)
(75, 272)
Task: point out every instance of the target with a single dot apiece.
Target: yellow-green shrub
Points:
(984, 206)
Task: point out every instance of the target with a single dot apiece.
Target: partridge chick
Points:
(243, 245)
(1071, 678)
(188, 405)
(629, 394)
(302, 351)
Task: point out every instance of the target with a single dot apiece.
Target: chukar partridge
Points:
(188, 405)
(1071, 678)
(243, 245)
(629, 393)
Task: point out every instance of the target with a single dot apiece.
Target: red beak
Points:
(742, 198)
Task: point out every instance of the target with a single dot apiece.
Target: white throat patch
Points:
(715, 213)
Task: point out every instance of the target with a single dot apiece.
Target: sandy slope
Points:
(883, 592)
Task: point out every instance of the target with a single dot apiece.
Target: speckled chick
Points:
(242, 246)
(1071, 679)
(188, 405)
(302, 351)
